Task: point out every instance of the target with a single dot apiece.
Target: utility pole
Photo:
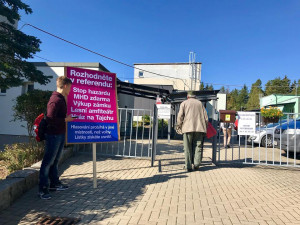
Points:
(193, 74)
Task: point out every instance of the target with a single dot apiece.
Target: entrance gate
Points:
(274, 144)
(135, 135)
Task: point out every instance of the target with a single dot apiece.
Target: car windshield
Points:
(270, 125)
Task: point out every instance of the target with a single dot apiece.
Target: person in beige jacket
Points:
(192, 119)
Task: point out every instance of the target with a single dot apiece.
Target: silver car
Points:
(288, 135)
(263, 135)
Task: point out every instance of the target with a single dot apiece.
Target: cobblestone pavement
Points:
(131, 192)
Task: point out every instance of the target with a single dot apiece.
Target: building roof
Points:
(167, 94)
(141, 90)
(204, 96)
(179, 63)
(71, 64)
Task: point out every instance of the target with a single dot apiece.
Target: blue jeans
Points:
(49, 168)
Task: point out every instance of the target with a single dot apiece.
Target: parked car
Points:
(289, 134)
(264, 135)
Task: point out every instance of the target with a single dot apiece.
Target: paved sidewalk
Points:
(131, 192)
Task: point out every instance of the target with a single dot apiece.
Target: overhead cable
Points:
(89, 50)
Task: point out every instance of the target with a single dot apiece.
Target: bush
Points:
(139, 123)
(29, 105)
(160, 123)
(20, 155)
(146, 119)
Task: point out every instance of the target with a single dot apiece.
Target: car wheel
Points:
(269, 141)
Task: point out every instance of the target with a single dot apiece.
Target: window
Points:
(141, 74)
(27, 87)
(3, 91)
(30, 87)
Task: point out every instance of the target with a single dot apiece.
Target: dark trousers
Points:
(193, 143)
(49, 168)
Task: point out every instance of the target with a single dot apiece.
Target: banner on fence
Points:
(164, 111)
(246, 123)
(93, 99)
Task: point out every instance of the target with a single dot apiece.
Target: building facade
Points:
(182, 76)
(287, 103)
(184, 80)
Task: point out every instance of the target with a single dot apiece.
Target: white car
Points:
(263, 135)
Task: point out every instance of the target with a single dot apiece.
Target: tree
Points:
(278, 86)
(295, 87)
(209, 87)
(28, 106)
(242, 98)
(255, 92)
(232, 100)
(222, 90)
(201, 86)
(16, 47)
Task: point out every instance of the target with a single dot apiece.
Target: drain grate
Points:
(54, 220)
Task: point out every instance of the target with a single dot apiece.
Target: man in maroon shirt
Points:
(55, 138)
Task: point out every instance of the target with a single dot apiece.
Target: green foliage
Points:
(206, 88)
(146, 119)
(139, 123)
(28, 106)
(237, 99)
(201, 86)
(278, 86)
(295, 88)
(232, 100)
(10, 8)
(21, 155)
(16, 47)
(242, 99)
(271, 112)
(209, 87)
(256, 91)
(160, 123)
(222, 90)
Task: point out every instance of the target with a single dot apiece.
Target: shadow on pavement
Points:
(81, 200)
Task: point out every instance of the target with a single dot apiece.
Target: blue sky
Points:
(237, 41)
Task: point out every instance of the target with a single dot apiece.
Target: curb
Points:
(19, 182)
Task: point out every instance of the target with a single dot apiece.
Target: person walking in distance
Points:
(227, 129)
(55, 138)
(192, 119)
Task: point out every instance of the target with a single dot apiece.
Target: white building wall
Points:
(220, 104)
(7, 101)
(182, 71)
(221, 101)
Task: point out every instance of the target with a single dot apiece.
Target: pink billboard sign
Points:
(93, 99)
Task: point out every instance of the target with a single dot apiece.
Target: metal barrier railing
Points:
(135, 135)
(276, 144)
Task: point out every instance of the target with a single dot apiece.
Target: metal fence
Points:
(275, 144)
(135, 135)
